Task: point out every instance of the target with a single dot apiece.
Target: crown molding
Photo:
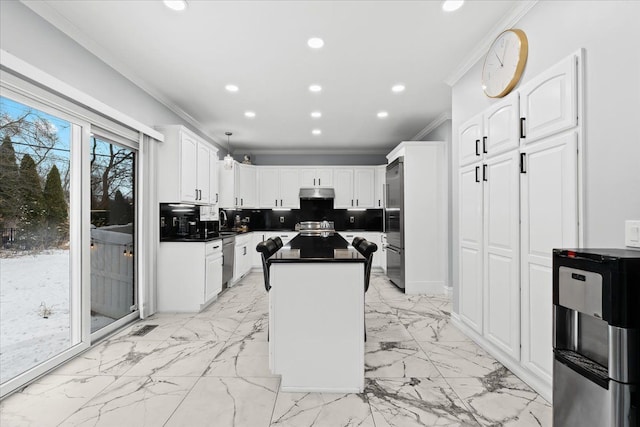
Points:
(431, 126)
(311, 151)
(51, 15)
(519, 10)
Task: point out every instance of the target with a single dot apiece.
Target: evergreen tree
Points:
(9, 180)
(54, 203)
(119, 210)
(55, 207)
(31, 203)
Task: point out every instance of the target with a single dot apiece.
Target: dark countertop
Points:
(228, 233)
(331, 248)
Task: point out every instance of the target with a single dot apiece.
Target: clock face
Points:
(504, 63)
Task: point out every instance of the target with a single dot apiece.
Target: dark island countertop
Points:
(330, 247)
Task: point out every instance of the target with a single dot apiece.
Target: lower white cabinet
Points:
(242, 256)
(372, 236)
(189, 275)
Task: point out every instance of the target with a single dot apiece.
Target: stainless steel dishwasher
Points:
(228, 249)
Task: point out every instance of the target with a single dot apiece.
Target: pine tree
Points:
(31, 203)
(54, 203)
(9, 180)
(55, 207)
(120, 210)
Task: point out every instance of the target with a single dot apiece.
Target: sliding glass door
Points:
(40, 317)
(113, 230)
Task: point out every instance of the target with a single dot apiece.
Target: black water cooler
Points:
(596, 337)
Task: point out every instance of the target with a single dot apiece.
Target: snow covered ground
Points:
(27, 338)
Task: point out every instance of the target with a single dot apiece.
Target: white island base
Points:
(316, 326)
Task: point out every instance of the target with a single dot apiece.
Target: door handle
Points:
(484, 173)
(216, 197)
(351, 202)
(241, 202)
(236, 201)
(280, 202)
(314, 182)
(477, 147)
(276, 202)
(477, 170)
(522, 160)
(196, 194)
(484, 144)
(522, 123)
(319, 181)
(357, 202)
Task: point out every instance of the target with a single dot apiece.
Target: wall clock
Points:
(504, 63)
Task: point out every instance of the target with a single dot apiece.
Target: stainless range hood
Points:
(315, 193)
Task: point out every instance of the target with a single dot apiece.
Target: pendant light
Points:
(228, 160)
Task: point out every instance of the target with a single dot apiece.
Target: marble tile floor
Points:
(211, 369)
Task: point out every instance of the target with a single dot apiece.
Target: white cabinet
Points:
(501, 252)
(549, 206)
(238, 186)
(286, 236)
(189, 275)
(549, 103)
(243, 256)
(186, 164)
(469, 138)
(379, 186)
(316, 177)
(278, 187)
(354, 187)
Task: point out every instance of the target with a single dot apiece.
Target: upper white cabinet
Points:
(491, 133)
(354, 187)
(238, 186)
(278, 187)
(379, 189)
(186, 162)
(549, 102)
(469, 137)
(316, 177)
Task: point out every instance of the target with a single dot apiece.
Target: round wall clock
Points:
(504, 63)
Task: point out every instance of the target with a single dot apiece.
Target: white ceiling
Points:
(185, 59)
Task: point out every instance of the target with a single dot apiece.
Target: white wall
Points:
(29, 37)
(610, 34)
(443, 133)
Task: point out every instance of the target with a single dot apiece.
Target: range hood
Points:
(314, 193)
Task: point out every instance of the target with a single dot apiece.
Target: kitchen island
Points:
(316, 315)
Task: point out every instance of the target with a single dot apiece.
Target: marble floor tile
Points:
(110, 357)
(230, 310)
(432, 325)
(177, 358)
(237, 402)
(416, 402)
(385, 329)
(50, 400)
(321, 409)
(167, 324)
(500, 398)
(241, 358)
(460, 359)
(133, 401)
(206, 329)
(397, 360)
(253, 329)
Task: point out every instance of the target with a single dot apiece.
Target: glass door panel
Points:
(113, 292)
(39, 318)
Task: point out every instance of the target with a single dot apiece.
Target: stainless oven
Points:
(228, 250)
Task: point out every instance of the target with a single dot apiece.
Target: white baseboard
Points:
(424, 287)
(448, 291)
(544, 389)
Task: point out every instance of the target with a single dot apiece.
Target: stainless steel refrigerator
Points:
(394, 222)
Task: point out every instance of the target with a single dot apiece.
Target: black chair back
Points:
(266, 249)
(366, 249)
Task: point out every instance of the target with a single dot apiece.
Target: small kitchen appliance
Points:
(596, 338)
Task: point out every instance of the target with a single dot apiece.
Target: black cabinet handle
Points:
(484, 144)
(216, 197)
(484, 173)
(477, 147)
(319, 181)
(378, 202)
(236, 201)
(314, 181)
(522, 159)
(216, 247)
(280, 202)
(522, 123)
(276, 202)
(357, 202)
(477, 170)
(351, 202)
(241, 202)
(196, 194)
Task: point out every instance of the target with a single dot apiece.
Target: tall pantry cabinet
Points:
(518, 200)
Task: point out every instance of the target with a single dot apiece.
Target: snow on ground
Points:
(26, 338)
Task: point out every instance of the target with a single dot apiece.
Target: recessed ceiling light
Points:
(451, 5)
(176, 4)
(316, 114)
(315, 88)
(316, 132)
(232, 88)
(315, 42)
(398, 88)
(382, 114)
(250, 114)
